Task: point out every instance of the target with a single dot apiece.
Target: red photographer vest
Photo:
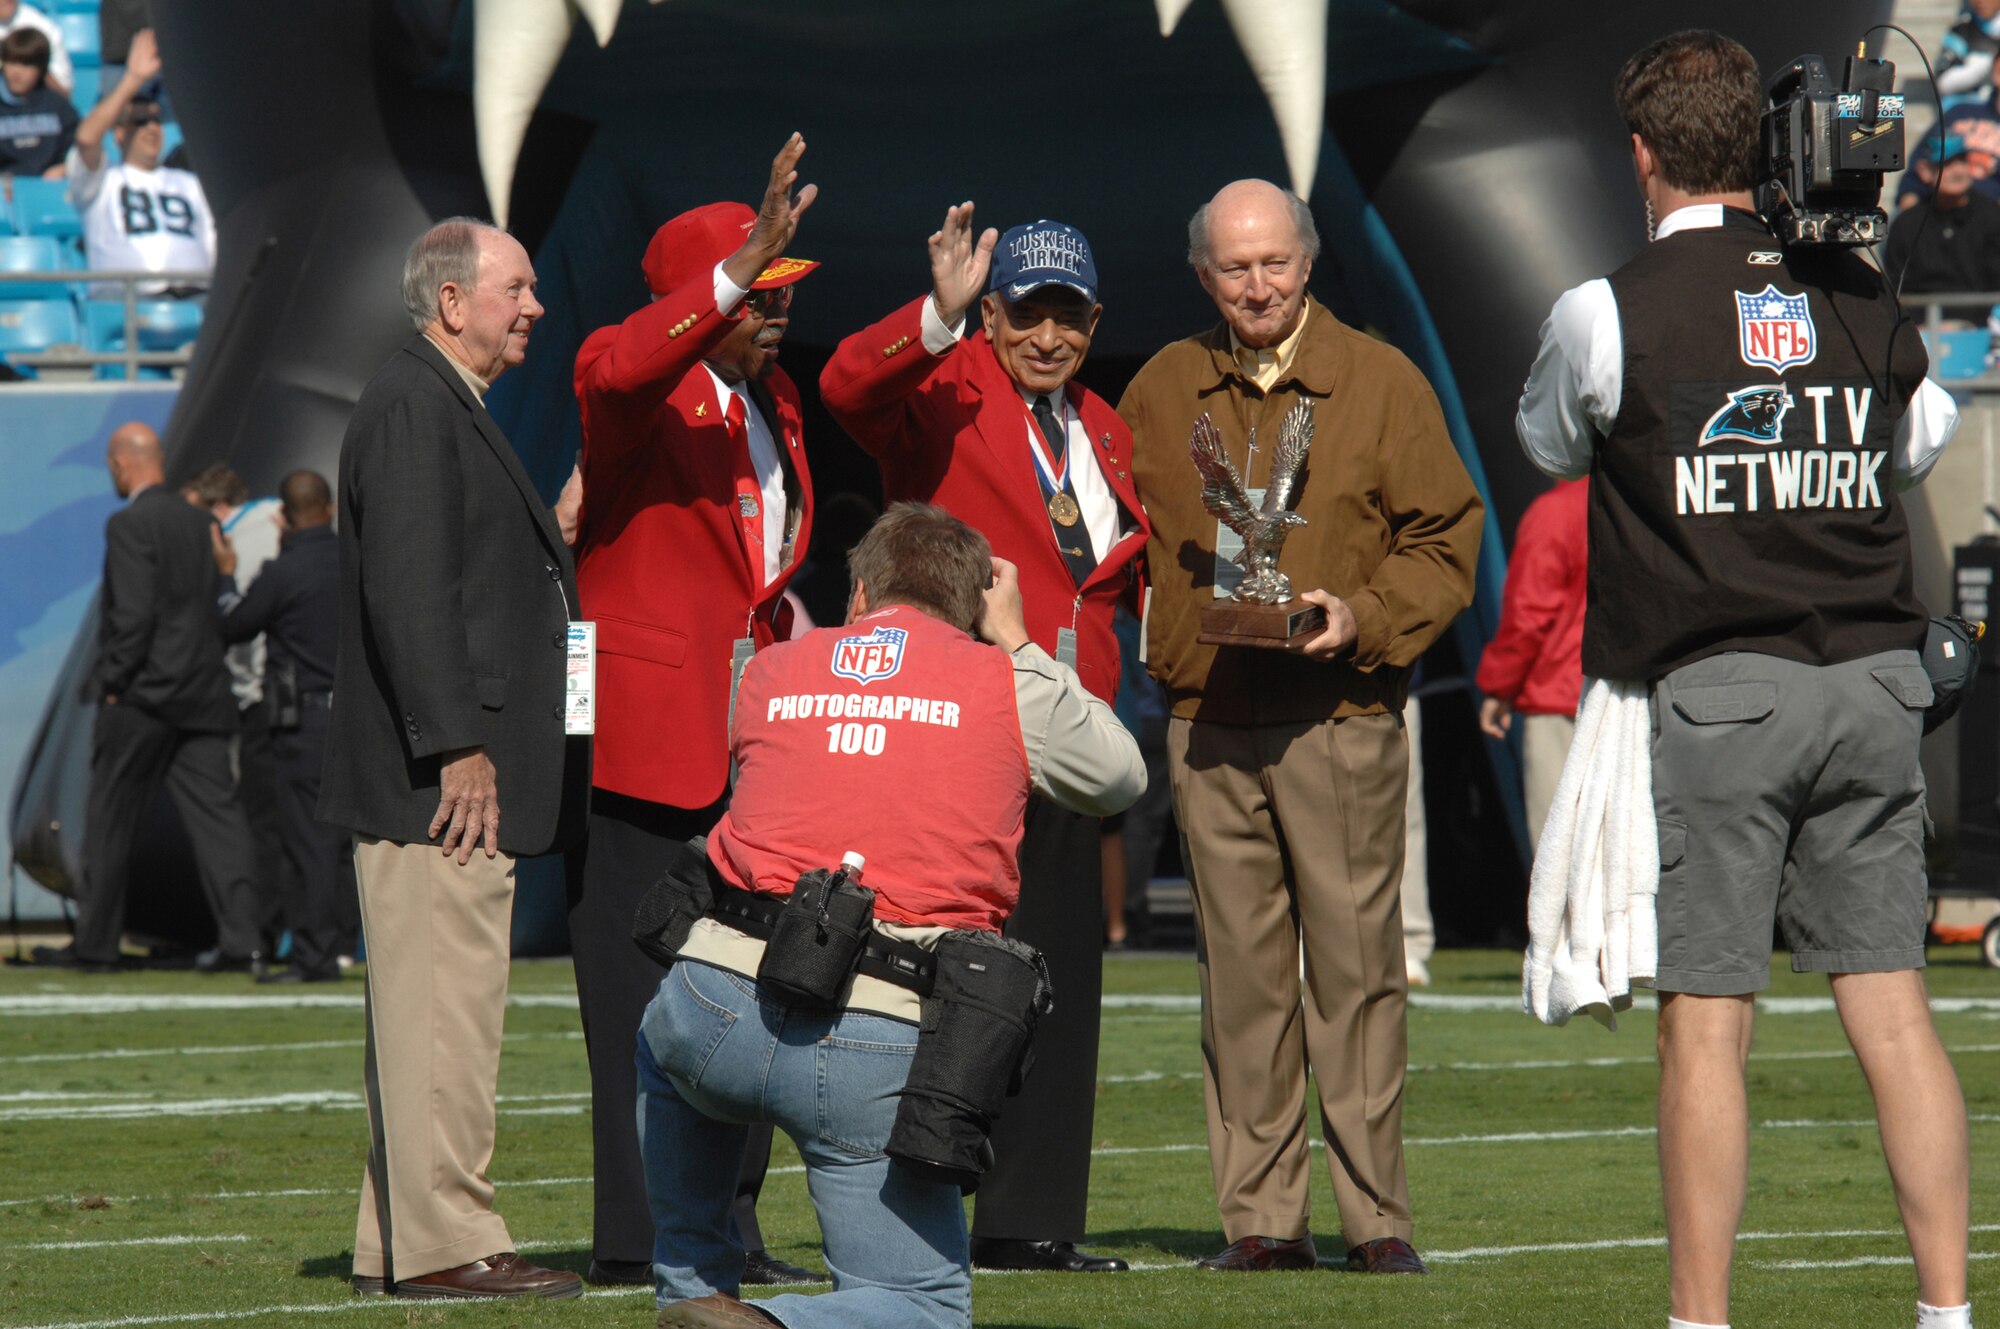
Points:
(896, 737)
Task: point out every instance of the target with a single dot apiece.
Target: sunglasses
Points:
(774, 301)
(140, 119)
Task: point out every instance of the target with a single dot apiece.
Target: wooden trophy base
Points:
(1285, 626)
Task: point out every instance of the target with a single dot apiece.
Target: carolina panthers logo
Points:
(1755, 415)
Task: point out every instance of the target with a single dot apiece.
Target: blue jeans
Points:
(714, 1057)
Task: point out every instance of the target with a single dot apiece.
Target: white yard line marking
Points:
(113, 1003)
(182, 1240)
(1858, 1262)
(196, 1107)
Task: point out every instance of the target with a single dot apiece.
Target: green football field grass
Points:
(184, 1150)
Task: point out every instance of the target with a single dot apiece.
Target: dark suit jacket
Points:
(159, 639)
(455, 594)
(295, 602)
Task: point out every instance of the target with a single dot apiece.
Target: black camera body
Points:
(1826, 149)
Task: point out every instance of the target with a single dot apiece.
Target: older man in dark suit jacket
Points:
(165, 711)
(456, 592)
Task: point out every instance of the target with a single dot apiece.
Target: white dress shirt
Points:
(1571, 399)
(764, 448)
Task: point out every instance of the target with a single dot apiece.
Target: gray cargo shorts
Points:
(1791, 792)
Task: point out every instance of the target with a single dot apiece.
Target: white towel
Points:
(1592, 932)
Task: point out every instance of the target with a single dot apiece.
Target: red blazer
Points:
(951, 430)
(1535, 661)
(661, 562)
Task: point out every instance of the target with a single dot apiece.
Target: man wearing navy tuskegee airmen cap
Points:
(989, 423)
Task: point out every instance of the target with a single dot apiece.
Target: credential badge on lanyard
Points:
(580, 687)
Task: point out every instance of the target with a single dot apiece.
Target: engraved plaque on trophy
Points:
(1260, 610)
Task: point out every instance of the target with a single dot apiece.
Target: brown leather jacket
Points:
(1393, 520)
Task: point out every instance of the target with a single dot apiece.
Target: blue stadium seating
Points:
(71, 7)
(36, 325)
(79, 33)
(163, 325)
(31, 253)
(42, 207)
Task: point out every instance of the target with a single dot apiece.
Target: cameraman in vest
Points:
(903, 738)
(1747, 414)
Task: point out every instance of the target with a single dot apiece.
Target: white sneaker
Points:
(1420, 974)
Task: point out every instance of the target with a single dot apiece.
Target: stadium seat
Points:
(42, 207)
(163, 325)
(36, 325)
(79, 32)
(71, 7)
(31, 253)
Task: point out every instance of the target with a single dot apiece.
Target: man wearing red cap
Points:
(992, 427)
(697, 506)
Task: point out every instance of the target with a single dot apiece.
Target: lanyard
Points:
(1052, 477)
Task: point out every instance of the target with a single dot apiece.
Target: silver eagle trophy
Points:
(1261, 610)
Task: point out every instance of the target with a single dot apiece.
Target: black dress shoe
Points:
(366, 1285)
(1259, 1255)
(620, 1273)
(1054, 1257)
(1385, 1255)
(65, 957)
(288, 976)
(763, 1269)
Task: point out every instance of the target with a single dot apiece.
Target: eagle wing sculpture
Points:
(1295, 436)
(1221, 486)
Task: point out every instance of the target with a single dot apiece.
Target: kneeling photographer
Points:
(905, 749)
(1748, 399)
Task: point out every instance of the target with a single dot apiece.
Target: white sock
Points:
(1673, 1323)
(1944, 1317)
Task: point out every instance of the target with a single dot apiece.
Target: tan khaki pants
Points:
(1324, 800)
(437, 937)
(1545, 741)
(1419, 932)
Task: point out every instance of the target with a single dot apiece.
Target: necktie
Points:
(1072, 537)
(749, 494)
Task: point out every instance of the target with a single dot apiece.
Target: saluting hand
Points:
(958, 265)
(777, 220)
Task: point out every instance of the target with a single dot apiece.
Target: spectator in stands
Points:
(296, 602)
(137, 214)
(1534, 664)
(1951, 240)
(37, 123)
(253, 528)
(1965, 55)
(15, 16)
(1976, 123)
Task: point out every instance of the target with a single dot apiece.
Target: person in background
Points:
(294, 605)
(15, 16)
(1950, 240)
(1534, 664)
(253, 528)
(138, 214)
(165, 714)
(37, 122)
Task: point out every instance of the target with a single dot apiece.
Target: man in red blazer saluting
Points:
(697, 506)
(991, 427)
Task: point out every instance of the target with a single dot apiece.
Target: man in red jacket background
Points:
(1534, 664)
(697, 507)
(990, 425)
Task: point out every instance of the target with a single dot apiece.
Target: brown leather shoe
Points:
(717, 1310)
(502, 1275)
(1385, 1255)
(1260, 1255)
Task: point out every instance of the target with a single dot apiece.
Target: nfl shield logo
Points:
(876, 656)
(1775, 330)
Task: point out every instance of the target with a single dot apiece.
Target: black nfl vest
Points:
(1744, 499)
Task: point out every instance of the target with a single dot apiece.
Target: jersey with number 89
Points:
(151, 221)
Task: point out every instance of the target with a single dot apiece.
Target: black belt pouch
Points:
(684, 892)
(972, 1052)
(817, 941)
